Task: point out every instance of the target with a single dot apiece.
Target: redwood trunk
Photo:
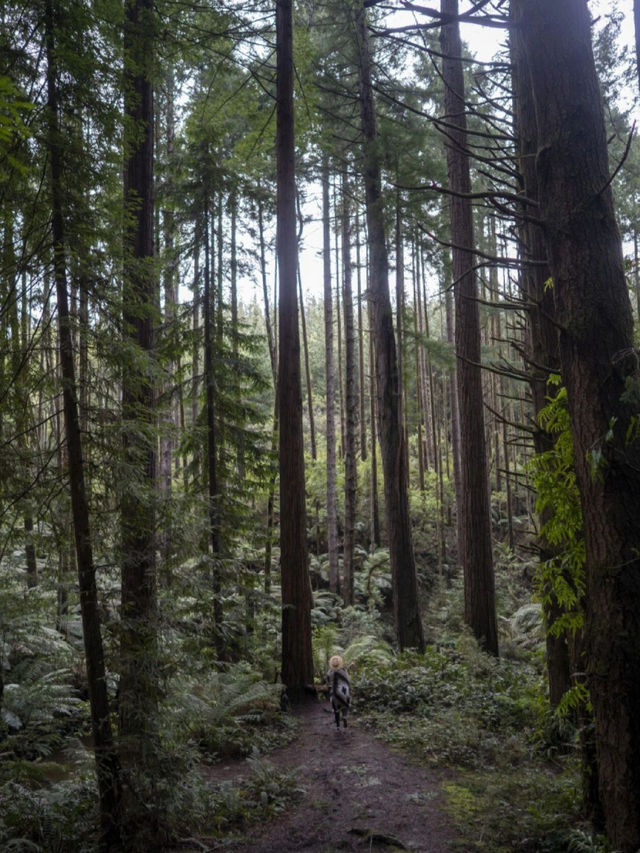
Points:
(332, 512)
(474, 516)
(213, 491)
(297, 660)
(138, 690)
(351, 405)
(541, 334)
(392, 439)
(600, 371)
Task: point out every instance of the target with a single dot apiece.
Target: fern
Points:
(222, 712)
(368, 650)
(560, 579)
(39, 698)
(324, 644)
(581, 841)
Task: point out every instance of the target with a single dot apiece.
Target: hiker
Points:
(339, 684)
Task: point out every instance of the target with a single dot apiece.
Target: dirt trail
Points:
(360, 795)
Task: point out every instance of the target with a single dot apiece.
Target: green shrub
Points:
(266, 793)
(52, 819)
(225, 713)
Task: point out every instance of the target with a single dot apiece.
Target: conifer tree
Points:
(474, 516)
(392, 439)
(107, 763)
(138, 689)
(600, 371)
(297, 661)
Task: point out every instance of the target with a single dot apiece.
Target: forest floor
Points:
(359, 795)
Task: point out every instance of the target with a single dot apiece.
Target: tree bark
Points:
(332, 511)
(541, 341)
(169, 323)
(361, 382)
(307, 371)
(297, 660)
(351, 404)
(213, 491)
(600, 371)
(19, 357)
(393, 447)
(474, 515)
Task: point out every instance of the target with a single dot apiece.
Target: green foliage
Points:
(49, 819)
(528, 808)
(368, 651)
(373, 582)
(485, 695)
(583, 841)
(558, 504)
(38, 697)
(40, 703)
(224, 713)
(455, 706)
(13, 111)
(266, 793)
(324, 644)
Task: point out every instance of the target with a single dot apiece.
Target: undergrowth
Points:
(234, 806)
(511, 785)
(512, 776)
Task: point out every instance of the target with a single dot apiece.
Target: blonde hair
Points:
(336, 662)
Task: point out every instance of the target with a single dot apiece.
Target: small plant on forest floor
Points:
(51, 819)
(226, 714)
(582, 841)
(266, 793)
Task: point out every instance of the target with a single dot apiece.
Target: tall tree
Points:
(392, 438)
(213, 490)
(474, 514)
(107, 763)
(541, 342)
(600, 371)
(351, 402)
(332, 512)
(636, 27)
(138, 677)
(297, 660)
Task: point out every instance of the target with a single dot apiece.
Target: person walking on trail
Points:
(339, 685)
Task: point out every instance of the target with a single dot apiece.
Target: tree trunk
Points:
(474, 516)
(19, 360)
(636, 27)
(107, 764)
(273, 351)
(339, 338)
(392, 439)
(600, 371)
(169, 324)
(138, 688)
(419, 363)
(351, 404)
(455, 410)
(273, 358)
(541, 341)
(307, 371)
(332, 511)
(361, 382)
(297, 659)
(213, 491)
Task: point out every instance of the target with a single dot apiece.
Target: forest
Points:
(317, 338)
